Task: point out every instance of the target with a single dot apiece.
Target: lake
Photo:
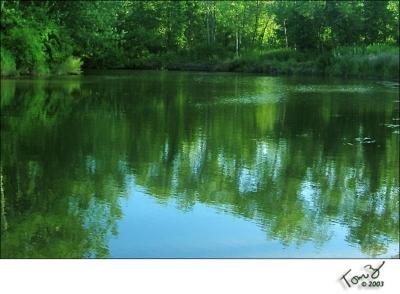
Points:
(157, 164)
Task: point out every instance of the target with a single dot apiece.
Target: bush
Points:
(29, 51)
(282, 54)
(57, 46)
(275, 61)
(8, 67)
(72, 65)
(380, 61)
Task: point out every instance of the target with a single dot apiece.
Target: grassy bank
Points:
(379, 61)
(28, 64)
(375, 61)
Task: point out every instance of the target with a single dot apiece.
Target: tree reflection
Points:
(256, 148)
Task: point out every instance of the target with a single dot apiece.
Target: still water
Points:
(149, 164)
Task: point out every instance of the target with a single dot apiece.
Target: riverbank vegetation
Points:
(334, 38)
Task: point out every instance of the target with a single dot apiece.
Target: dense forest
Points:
(339, 38)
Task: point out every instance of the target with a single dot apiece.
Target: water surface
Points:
(173, 164)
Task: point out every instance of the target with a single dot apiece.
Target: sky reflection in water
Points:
(172, 164)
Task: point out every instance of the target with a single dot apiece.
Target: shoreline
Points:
(207, 68)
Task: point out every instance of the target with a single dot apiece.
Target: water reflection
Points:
(280, 153)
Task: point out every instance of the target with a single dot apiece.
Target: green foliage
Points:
(262, 36)
(275, 61)
(370, 61)
(38, 44)
(8, 67)
(29, 51)
(280, 54)
(379, 61)
(72, 65)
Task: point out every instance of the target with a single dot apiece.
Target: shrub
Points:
(72, 65)
(29, 51)
(57, 46)
(282, 54)
(8, 67)
(380, 61)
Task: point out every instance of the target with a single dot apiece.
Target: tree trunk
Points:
(263, 32)
(214, 22)
(208, 29)
(2, 203)
(237, 42)
(256, 23)
(286, 39)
